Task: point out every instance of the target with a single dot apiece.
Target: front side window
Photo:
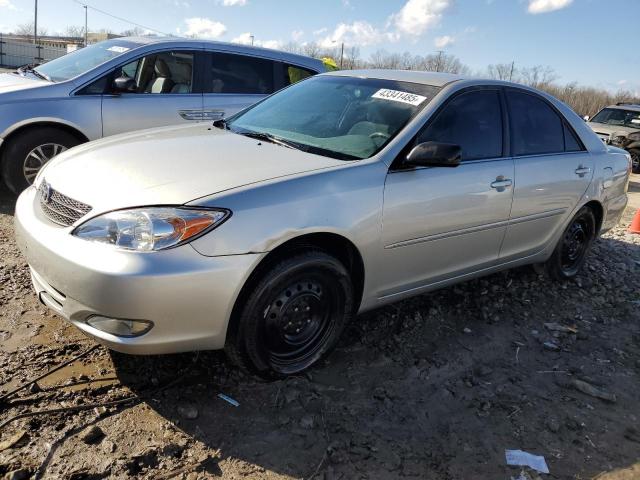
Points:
(535, 127)
(472, 120)
(165, 72)
(81, 61)
(618, 117)
(241, 74)
(341, 117)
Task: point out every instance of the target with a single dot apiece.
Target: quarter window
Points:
(472, 120)
(535, 127)
(241, 74)
(571, 142)
(295, 74)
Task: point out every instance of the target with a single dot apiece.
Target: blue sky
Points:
(582, 40)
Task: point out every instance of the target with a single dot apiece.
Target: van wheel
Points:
(571, 252)
(27, 152)
(293, 316)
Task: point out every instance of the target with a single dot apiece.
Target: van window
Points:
(242, 74)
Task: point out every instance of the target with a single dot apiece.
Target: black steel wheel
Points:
(571, 251)
(293, 315)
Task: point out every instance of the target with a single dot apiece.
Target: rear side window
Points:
(571, 142)
(241, 74)
(472, 120)
(535, 127)
(294, 74)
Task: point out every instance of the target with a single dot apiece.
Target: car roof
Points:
(435, 79)
(232, 47)
(626, 106)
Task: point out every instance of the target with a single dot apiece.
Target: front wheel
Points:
(293, 315)
(27, 152)
(571, 252)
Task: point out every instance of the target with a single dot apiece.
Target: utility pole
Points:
(341, 55)
(439, 63)
(513, 64)
(86, 31)
(35, 25)
(252, 38)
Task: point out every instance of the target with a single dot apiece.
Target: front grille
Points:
(59, 208)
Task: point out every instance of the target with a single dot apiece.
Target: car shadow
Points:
(437, 386)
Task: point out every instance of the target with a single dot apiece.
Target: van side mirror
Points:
(586, 118)
(434, 154)
(124, 85)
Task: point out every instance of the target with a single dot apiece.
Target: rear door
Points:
(233, 81)
(552, 172)
(167, 93)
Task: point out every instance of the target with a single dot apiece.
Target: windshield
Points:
(83, 60)
(341, 117)
(618, 117)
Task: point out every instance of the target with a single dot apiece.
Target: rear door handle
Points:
(191, 114)
(501, 183)
(582, 171)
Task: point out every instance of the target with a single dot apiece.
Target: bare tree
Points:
(27, 30)
(538, 76)
(74, 31)
(503, 71)
(132, 32)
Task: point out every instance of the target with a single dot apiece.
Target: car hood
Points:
(609, 129)
(171, 166)
(10, 82)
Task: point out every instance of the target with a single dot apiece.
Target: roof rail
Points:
(619, 104)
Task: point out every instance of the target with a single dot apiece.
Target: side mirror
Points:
(124, 85)
(586, 118)
(434, 154)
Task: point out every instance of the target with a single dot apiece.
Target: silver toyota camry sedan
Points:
(266, 233)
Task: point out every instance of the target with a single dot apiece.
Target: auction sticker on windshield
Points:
(398, 96)
(118, 49)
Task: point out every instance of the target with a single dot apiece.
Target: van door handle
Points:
(501, 183)
(582, 171)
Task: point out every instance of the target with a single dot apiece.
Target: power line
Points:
(85, 5)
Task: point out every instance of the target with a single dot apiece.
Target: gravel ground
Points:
(434, 387)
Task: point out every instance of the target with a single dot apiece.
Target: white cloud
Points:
(320, 31)
(417, 16)
(357, 33)
(444, 41)
(204, 28)
(296, 35)
(622, 82)
(245, 39)
(7, 4)
(234, 3)
(544, 6)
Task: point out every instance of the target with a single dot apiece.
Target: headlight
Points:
(149, 229)
(634, 136)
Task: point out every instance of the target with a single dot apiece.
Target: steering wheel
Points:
(384, 136)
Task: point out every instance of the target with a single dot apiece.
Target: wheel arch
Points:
(598, 211)
(334, 244)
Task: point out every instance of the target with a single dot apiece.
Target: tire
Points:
(571, 252)
(635, 160)
(26, 152)
(292, 317)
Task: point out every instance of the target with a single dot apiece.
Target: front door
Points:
(552, 170)
(164, 94)
(442, 222)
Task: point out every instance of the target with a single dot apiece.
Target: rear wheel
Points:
(635, 160)
(571, 251)
(293, 316)
(27, 152)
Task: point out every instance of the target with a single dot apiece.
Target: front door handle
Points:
(501, 183)
(582, 171)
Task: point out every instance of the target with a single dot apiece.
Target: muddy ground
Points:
(436, 387)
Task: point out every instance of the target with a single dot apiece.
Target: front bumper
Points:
(187, 296)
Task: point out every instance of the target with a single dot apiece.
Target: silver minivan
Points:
(129, 84)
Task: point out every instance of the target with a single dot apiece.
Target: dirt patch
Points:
(434, 387)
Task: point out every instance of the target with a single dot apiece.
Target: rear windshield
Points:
(81, 61)
(618, 117)
(341, 117)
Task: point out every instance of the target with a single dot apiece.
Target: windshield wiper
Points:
(31, 68)
(272, 139)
